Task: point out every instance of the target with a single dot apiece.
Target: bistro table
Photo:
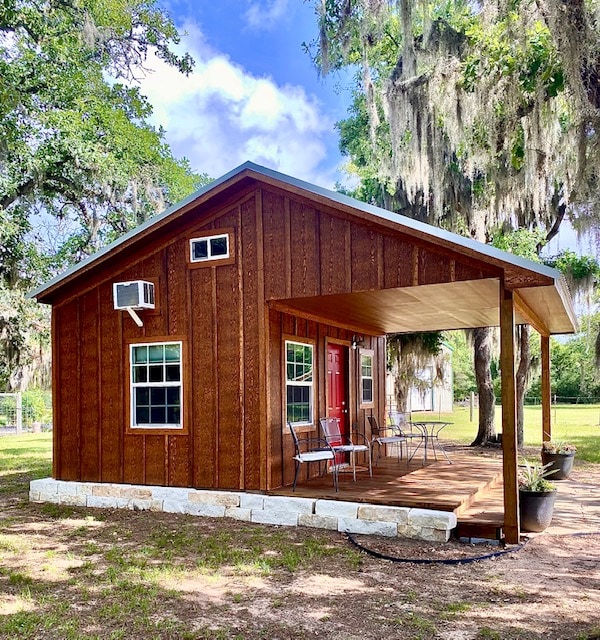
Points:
(430, 430)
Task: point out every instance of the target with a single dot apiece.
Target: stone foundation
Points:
(351, 517)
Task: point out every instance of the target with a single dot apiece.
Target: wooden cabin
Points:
(272, 298)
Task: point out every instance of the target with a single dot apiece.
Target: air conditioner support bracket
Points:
(135, 317)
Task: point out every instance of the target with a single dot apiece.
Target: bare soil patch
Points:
(96, 574)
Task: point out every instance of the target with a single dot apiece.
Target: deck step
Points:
(482, 530)
(484, 517)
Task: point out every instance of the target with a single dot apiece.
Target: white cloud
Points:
(265, 15)
(221, 116)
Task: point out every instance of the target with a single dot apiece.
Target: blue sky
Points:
(254, 93)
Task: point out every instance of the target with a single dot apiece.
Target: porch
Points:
(471, 488)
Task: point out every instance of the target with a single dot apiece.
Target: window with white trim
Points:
(366, 377)
(299, 379)
(209, 248)
(156, 385)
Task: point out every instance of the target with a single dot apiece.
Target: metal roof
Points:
(437, 235)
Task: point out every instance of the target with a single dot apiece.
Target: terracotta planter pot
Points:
(536, 509)
(561, 463)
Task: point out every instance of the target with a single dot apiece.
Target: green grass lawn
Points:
(579, 424)
(24, 458)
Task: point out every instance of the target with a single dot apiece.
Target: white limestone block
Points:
(221, 498)
(292, 505)
(107, 502)
(238, 513)
(146, 505)
(399, 515)
(86, 488)
(207, 510)
(368, 527)
(73, 500)
(337, 509)
(66, 488)
(318, 522)
(170, 493)
(175, 506)
(430, 518)
(44, 485)
(54, 498)
(284, 518)
(252, 501)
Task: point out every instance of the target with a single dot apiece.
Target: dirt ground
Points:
(113, 574)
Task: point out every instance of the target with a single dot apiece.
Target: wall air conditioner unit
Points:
(129, 296)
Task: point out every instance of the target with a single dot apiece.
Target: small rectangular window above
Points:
(366, 377)
(210, 249)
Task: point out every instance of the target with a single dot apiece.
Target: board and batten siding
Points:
(285, 246)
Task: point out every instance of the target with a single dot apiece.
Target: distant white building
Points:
(429, 394)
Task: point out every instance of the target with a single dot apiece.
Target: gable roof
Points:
(524, 274)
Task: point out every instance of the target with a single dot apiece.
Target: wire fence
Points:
(29, 412)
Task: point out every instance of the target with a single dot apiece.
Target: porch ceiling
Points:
(433, 307)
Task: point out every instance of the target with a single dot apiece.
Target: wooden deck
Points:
(470, 487)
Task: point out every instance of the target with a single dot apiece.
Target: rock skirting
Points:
(346, 517)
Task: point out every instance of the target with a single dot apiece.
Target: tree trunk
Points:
(521, 378)
(482, 356)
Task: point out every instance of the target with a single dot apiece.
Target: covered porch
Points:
(482, 493)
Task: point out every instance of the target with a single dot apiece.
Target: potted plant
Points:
(536, 497)
(559, 457)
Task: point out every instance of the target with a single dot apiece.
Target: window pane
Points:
(158, 395)
(140, 374)
(142, 396)
(172, 353)
(142, 415)
(156, 353)
(172, 371)
(218, 246)
(173, 415)
(158, 415)
(367, 390)
(366, 365)
(173, 396)
(290, 372)
(156, 373)
(140, 355)
(200, 249)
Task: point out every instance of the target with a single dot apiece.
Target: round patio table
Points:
(430, 430)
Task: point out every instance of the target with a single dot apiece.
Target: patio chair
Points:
(386, 435)
(342, 443)
(400, 422)
(312, 449)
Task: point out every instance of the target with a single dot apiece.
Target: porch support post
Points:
(546, 392)
(509, 415)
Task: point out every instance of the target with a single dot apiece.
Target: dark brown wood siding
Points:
(234, 406)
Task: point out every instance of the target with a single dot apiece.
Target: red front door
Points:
(337, 384)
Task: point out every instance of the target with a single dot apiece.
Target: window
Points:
(299, 382)
(366, 377)
(156, 396)
(209, 248)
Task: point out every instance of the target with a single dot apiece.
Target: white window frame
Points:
(209, 255)
(149, 385)
(293, 383)
(364, 353)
